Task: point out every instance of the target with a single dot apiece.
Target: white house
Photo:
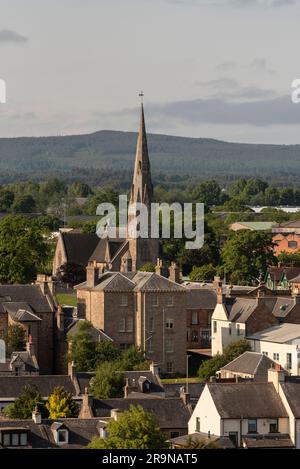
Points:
(248, 413)
(281, 343)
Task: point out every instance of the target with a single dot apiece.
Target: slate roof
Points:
(281, 334)
(97, 334)
(251, 363)
(292, 394)
(240, 309)
(150, 281)
(295, 279)
(20, 311)
(271, 441)
(79, 246)
(83, 379)
(170, 413)
(201, 298)
(246, 400)
(223, 442)
(173, 389)
(276, 273)
(134, 376)
(29, 294)
(81, 431)
(12, 386)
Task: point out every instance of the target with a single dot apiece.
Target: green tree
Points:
(6, 199)
(71, 273)
(246, 254)
(135, 429)
(23, 250)
(193, 443)
(147, 267)
(205, 273)
(108, 382)
(23, 204)
(14, 337)
(133, 359)
(79, 189)
(289, 259)
(209, 192)
(61, 404)
(235, 349)
(24, 404)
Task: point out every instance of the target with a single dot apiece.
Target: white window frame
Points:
(122, 325)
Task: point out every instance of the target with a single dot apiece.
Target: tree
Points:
(289, 259)
(209, 193)
(204, 273)
(6, 199)
(134, 429)
(79, 189)
(147, 267)
(246, 254)
(133, 359)
(86, 353)
(23, 204)
(23, 250)
(210, 367)
(235, 349)
(61, 404)
(24, 404)
(14, 337)
(108, 382)
(71, 273)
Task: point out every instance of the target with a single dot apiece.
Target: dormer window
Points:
(62, 436)
(60, 433)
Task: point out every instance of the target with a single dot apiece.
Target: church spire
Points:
(142, 189)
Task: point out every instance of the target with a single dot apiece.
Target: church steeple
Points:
(142, 189)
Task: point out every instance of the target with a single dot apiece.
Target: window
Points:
(155, 300)
(229, 329)
(276, 356)
(194, 336)
(122, 325)
(252, 426)
(6, 439)
(124, 300)
(205, 334)
(23, 439)
(194, 317)
(17, 371)
(233, 436)
(215, 326)
(62, 436)
(197, 424)
(174, 434)
(14, 439)
(292, 244)
(273, 426)
(265, 353)
(169, 346)
(151, 324)
(129, 324)
(170, 323)
(169, 301)
(238, 329)
(289, 361)
(169, 367)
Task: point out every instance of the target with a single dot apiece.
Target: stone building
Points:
(138, 308)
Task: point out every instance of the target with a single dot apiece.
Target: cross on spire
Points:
(141, 95)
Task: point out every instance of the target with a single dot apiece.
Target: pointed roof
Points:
(142, 189)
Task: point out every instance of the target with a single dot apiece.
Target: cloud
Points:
(7, 36)
(228, 88)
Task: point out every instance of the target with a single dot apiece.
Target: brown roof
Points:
(246, 400)
(79, 246)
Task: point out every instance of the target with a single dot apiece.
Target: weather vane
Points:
(141, 95)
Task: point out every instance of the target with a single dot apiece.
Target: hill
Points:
(108, 156)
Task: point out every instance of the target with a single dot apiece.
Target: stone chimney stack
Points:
(161, 269)
(37, 416)
(185, 396)
(60, 318)
(174, 272)
(86, 410)
(46, 283)
(92, 275)
(217, 284)
(276, 376)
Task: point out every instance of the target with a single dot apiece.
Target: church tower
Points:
(142, 250)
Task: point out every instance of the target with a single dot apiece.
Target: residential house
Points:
(286, 242)
(252, 225)
(249, 366)
(280, 343)
(278, 278)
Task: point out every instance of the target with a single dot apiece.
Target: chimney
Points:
(161, 269)
(71, 370)
(92, 275)
(276, 376)
(185, 396)
(126, 389)
(86, 410)
(115, 414)
(60, 318)
(29, 346)
(216, 282)
(154, 368)
(36, 416)
(46, 283)
(174, 272)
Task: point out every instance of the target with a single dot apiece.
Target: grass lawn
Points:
(65, 299)
(180, 380)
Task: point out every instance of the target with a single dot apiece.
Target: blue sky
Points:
(221, 69)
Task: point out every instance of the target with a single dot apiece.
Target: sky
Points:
(208, 68)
